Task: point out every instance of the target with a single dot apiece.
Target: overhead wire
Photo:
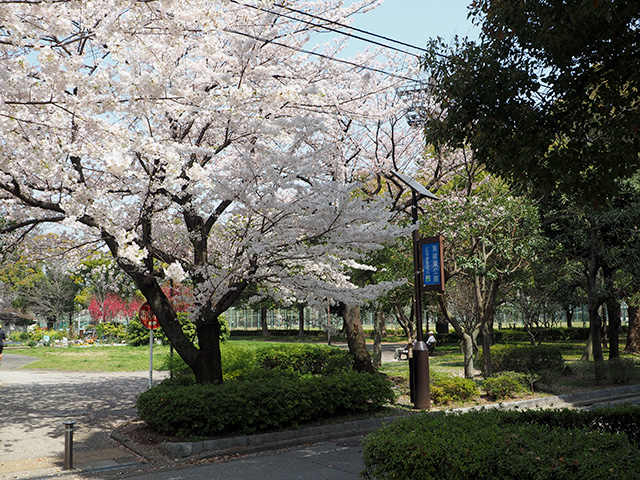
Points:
(325, 27)
(382, 37)
(321, 55)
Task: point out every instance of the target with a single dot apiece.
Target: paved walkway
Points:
(34, 405)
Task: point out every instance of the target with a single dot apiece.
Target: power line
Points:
(382, 37)
(324, 27)
(326, 57)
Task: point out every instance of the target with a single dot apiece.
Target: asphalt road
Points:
(338, 460)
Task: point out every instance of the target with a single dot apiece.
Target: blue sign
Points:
(432, 267)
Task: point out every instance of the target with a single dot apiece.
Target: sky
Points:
(415, 21)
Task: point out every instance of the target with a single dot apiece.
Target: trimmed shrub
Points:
(544, 334)
(621, 370)
(305, 358)
(526, 358)
(238, 360)
(111, 331)
(260, 400)
(446, 390)
(623, 420)
(505, 385)
(480, 445)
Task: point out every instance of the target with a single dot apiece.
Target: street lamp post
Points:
(419, 364)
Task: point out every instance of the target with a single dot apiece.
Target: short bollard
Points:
(68, 444)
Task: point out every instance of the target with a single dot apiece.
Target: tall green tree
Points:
(547, 98)
(491, 239)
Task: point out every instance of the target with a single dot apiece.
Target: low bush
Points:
(238, 359)
(621, 370)
(138, 334)
(446, 390)
(623, 420)
(482, 445)
(37, 334)
(505, 385)
(543, 334)
(111, 331)
(526, 358)
(305, 358)
(259, 400)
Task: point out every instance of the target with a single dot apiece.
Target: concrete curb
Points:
(267, 441)
(564, 401)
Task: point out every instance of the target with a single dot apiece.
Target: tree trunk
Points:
(406, 323)
(378, 327)
(487, 341)
(208, 365)
(301, 320)
(356, 339)
(633, 336)
(594, 304)
(467, 338)
(468, 350)
(71, 331)
(569, 314)
(604, 331)
(263, 321)
(588, 350)
(486, 293)
(615, 320)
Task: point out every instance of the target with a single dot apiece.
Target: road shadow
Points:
(34, 405)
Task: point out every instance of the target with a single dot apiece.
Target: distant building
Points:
(12, 322)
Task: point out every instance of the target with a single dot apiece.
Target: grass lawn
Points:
(94, 358)
(118, 358)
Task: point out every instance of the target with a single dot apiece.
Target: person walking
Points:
(2, 337)
(431, 343)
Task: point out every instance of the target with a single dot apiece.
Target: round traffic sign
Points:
(147, 317)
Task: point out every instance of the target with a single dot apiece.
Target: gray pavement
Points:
(34, 405)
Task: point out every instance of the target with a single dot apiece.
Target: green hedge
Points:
(507, 385)
(305, 358)
(623, 420)
(525, 358)
(543, 335)
(260, 400)
(481, 445)
(239, 333)
(446, 390)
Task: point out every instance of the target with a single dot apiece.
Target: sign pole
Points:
(422, 394)
(150, 357)
(149, 320)
(419, 362)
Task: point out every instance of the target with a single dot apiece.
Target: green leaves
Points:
(505, 445)
(547, 98)
(260, 400)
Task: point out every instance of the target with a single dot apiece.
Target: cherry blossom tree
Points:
(198, 143)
